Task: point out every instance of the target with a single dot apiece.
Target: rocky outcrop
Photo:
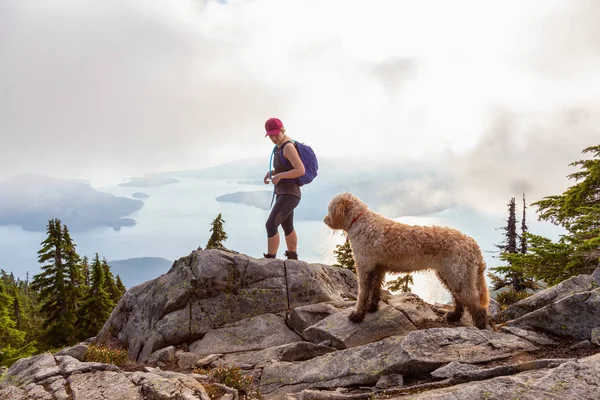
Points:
(64, 377)
(419, 352)
(575, 379)
(210, 289)
(576, 284)
(285, 325)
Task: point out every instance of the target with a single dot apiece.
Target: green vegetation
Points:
(229, 376)
(106, 355)
(344, 256)
(218, 235)
(577, 210)
(67, 302)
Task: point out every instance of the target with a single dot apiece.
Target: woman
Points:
(287, 190)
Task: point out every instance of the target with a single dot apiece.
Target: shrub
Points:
(229, 376)
(106, 355)
(511, 296)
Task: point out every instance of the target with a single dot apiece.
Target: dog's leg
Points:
(456, 315)
(379, 276)
(480, 317)
(365, 287)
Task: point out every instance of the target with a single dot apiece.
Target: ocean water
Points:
(176, 219)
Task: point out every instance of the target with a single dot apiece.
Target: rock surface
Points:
(284, 325)
(210, 289)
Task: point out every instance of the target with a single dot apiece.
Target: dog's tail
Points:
(484, 294)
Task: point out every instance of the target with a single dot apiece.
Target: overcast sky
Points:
(504, 94)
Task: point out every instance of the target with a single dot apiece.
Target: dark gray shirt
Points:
(285, 186)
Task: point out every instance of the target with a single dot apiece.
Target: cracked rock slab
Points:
(255, 333)
(418, 352)
(344, 334)
(103, 385)
(158, 387)
(304, 316)
(413, 307)
(298, 351)
(572, 317)
(32, 369)
(534, 337)
(571, 380)
(210, 289)
(69, 365)
(576, 284)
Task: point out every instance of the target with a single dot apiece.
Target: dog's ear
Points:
(339, 212)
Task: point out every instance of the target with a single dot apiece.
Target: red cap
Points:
(273, 126)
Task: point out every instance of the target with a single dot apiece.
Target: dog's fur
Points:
(382, 245)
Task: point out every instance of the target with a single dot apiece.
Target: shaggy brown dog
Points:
(382, 245)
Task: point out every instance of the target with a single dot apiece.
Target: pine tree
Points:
(85, 270)
(344, 256)
(509, 245)
(96, 304)
(57, 293)
(122, 289)
(218, 235)
(512, 275)
(11, 339)
(523, 236)
(109, 283)
(74, 271)
(578, 211)
(402, 283)
(17, 307)
(8, 333)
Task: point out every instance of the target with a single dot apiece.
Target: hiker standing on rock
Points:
(287, 167)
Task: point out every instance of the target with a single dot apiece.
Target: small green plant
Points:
(229, 376)
(106, 355)
(213, 391)
(511, 296)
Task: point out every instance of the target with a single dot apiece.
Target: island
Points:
(30, 201)
(149, 181)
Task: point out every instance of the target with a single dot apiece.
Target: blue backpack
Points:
(308, 157)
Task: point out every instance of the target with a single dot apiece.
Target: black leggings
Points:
(282, 214)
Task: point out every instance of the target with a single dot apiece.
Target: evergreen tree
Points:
(11, 339)
(56, 292)
(344, 256)
(74, 272)
(96, 304)
(122, 289)
(523, 236)
(17, 307)
(25, 309)
(218, 235)
(402, 283)
(578, 211)
(109, 283)
(509, 245)
(512, 275)
(85, 270)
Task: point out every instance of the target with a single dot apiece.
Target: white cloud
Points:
(124, 87)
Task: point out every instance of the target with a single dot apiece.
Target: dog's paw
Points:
(355, 317)
(453, 316)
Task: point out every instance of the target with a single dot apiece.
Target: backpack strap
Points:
(284, 160)
(271, 174)
(282, 157)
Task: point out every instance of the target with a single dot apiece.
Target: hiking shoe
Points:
(269, 255)
(291, 255)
